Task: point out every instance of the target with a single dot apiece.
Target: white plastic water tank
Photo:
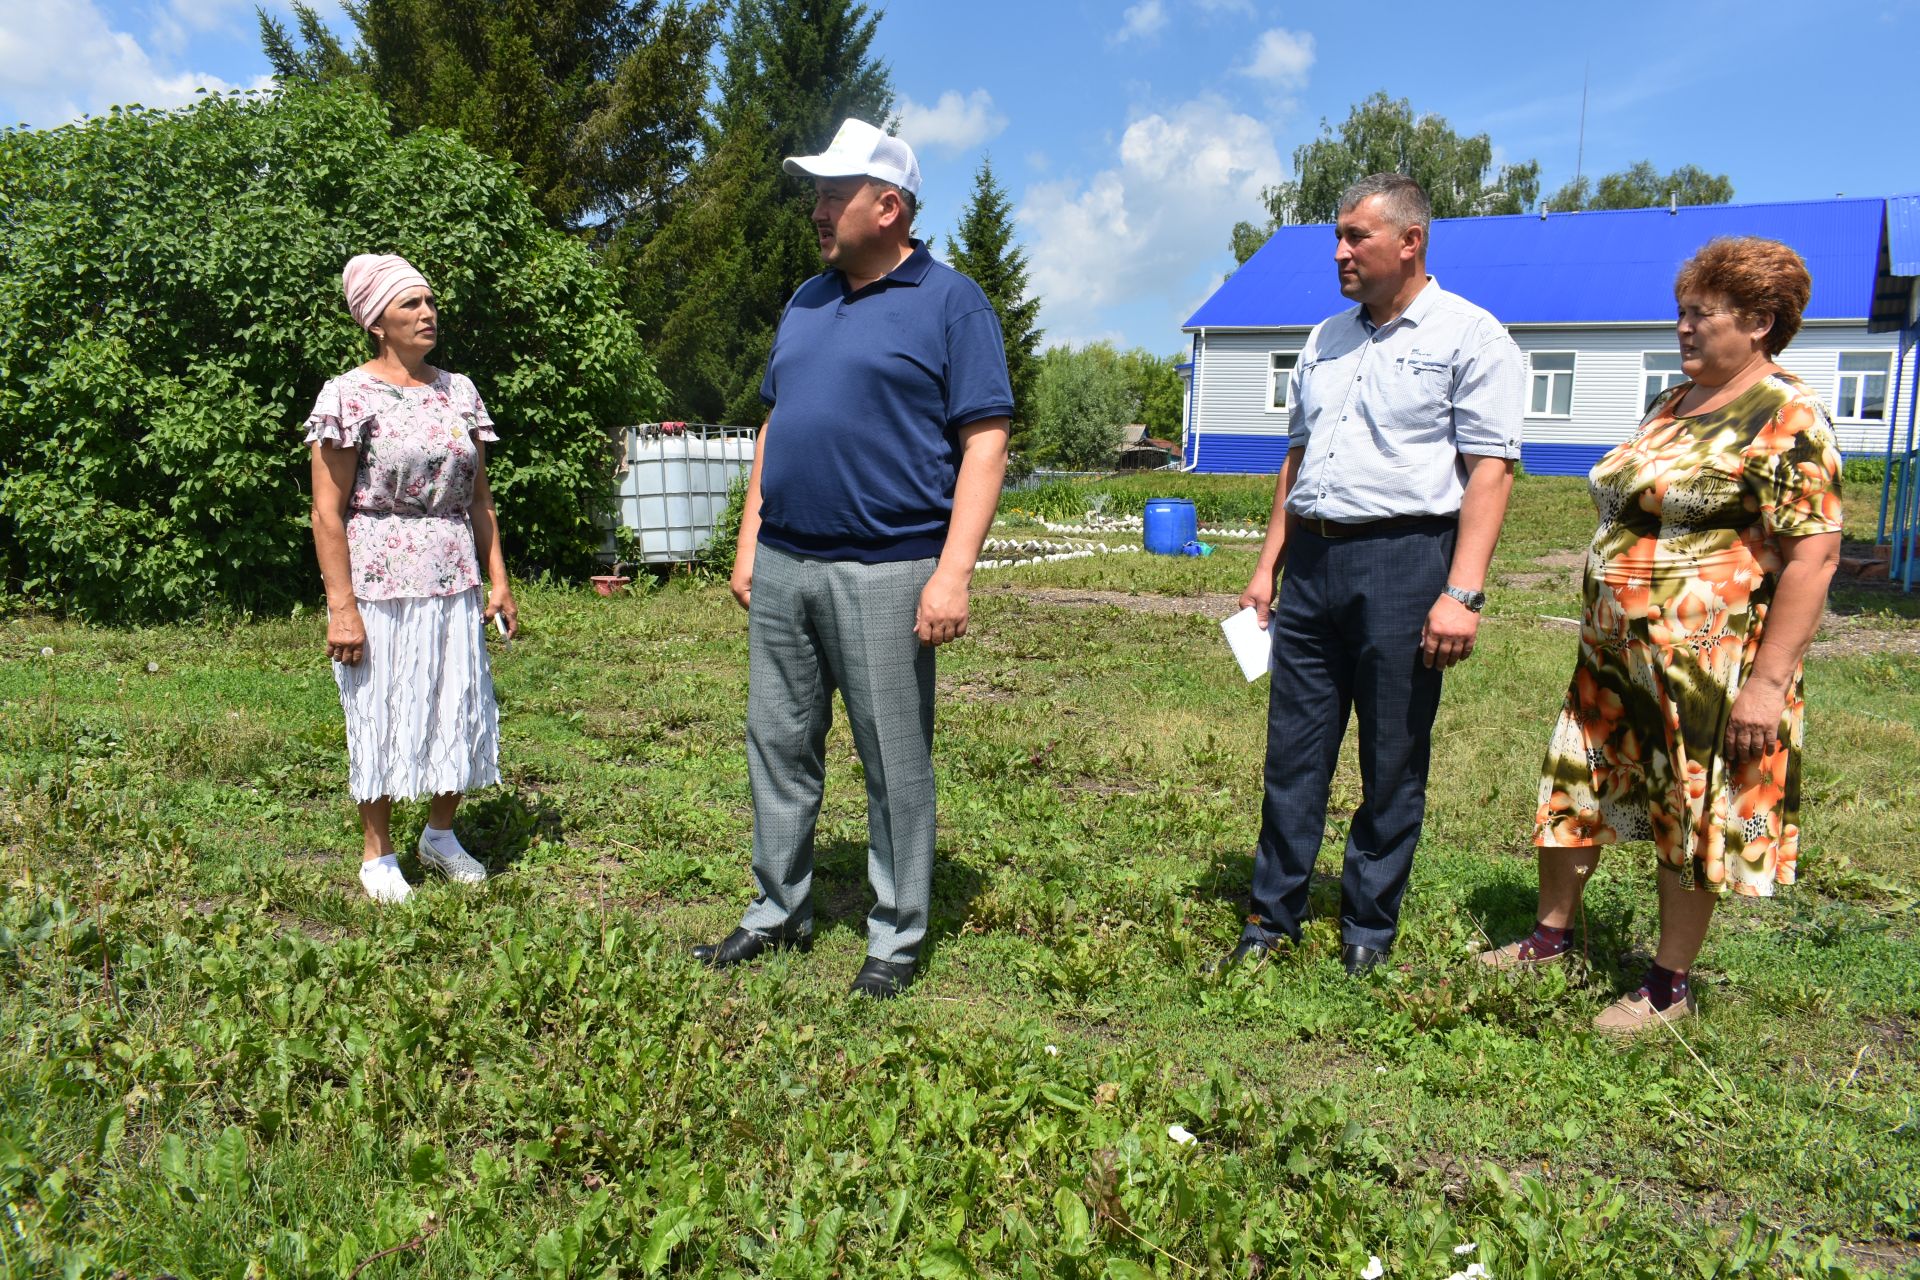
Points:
(671, 489)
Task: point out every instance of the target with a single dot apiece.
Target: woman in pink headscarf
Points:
(402, 522)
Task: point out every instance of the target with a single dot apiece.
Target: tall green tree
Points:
(710, 285)
(987, 253)
(1083, 401)
(1641, 186)
(1385, 135)
(1162, 396)
(599, 102)
(314, 57)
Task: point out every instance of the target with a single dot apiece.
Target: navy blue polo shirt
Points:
(869, 389)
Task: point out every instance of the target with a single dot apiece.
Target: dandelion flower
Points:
(152, 667)
(1053, 1051)
(46, 651)
(1180, 1135)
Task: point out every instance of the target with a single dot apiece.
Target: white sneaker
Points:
(440, 851)
(383, 880)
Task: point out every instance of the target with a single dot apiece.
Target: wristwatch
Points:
(1474, 600)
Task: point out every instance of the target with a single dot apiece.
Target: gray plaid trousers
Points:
(816, 626)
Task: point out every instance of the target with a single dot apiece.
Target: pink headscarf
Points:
(372, 280)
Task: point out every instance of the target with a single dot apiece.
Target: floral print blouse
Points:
(408, 533)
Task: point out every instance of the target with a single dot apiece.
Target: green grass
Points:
(217, 1059)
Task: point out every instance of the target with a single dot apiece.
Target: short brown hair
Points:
(1757, 277)
(1402, 199)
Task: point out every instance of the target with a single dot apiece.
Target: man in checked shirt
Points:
(1404, 417)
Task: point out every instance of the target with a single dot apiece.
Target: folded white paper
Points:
(1251, 644)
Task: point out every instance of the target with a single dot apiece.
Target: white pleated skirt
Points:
(421, 719)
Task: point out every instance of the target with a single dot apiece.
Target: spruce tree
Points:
(986, 253)
(599, 102)
(709, 287)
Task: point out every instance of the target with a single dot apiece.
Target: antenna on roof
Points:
(1673, 201)
(1580, 152)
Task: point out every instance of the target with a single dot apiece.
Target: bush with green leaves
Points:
(170, 305)
(1083, 401)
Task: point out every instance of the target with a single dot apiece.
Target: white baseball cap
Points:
(861, 151)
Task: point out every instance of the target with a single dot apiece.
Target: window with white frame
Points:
(1552, 395)
(1863, 386)
(1659, 370)
(1279, 371)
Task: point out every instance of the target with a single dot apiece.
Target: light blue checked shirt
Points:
(1386, 414)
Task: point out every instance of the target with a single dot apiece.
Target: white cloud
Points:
(96, 67)
(208, 15)
(953, 123)
(1153, 227)
(1142, 20)
(1225, 6)
(1282, 58)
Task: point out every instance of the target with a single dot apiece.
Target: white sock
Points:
(390, 859)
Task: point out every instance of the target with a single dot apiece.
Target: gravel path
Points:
(1841, 635)
(1212, 605)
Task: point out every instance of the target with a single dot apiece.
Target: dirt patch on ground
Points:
(1899, 1036)
(1563, 559)
(1885, 1257)
(1217, 605)
(1840, 636)
(1845, 635)
(973, 689)
(1531, 581)
(318, 930)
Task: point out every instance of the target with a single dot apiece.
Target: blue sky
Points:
(1133, 134)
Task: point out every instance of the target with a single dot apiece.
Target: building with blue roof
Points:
(1589, 299)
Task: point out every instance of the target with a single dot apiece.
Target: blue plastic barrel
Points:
(1170, 524)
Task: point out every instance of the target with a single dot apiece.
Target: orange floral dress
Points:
(1678, 580)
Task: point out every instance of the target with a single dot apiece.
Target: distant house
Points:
(1589, 299)
(1138, 451)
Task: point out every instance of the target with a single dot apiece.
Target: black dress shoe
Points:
(1248, 949)
(743, 945)
(882, 979)
(1360, 960)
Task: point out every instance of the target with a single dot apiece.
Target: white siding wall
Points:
(1608, 384)
(1233, 371)
(1609, 389)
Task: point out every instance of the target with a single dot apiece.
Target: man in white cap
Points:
(874, 481)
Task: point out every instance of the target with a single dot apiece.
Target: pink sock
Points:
(1545, 942)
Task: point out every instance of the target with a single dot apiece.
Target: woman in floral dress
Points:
(402, 519)
(1719, 532)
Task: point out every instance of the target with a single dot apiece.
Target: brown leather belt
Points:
(1335, 529)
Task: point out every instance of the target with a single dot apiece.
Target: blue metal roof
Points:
(1571, 268)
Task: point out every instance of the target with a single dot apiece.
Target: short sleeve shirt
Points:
(408, 533)
(1387, 415)
(869, 389)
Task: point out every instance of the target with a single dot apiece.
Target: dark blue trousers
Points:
(1346, 638)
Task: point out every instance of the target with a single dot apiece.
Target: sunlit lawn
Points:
(217, 1054)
